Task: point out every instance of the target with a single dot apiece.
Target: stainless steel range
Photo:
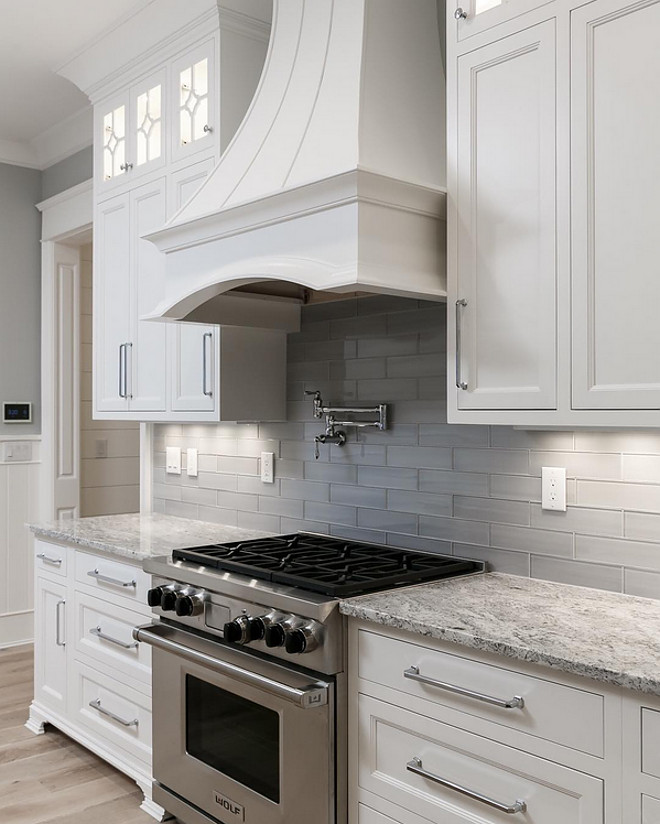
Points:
(249, 686)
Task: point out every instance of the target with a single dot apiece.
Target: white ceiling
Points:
(36, 38)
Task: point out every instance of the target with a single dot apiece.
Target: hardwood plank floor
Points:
(49, 779)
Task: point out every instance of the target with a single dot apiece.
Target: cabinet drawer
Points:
(554, 712)
(650, 810)
(112, 713)
(113, 578)
(368, 816)
(50, 558)
(393, 741)
(103, 633)
(651, 742)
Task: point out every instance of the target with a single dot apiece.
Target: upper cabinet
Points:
(129, 133)
(157, 137)
(552, 213)
(615, 75)
(194, 101)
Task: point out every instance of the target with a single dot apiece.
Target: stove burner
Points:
(327, 565)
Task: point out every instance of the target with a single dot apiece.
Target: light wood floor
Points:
(49, 779)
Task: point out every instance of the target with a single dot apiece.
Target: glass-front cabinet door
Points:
(474, 16)
(193, 101)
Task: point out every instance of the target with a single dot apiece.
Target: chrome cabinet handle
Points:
(96, 631)
(48, 559)
(58, 624)
(128, 393)
(518, 806)
(106, 579)
(122, 391)
(96, 705)
(460, 383)
(517, 702)
(208, 129)
(126, 166)
(205, 359)
(460, 14)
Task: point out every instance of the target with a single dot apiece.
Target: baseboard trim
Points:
(16, 629)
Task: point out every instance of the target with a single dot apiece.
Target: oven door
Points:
(237, 737)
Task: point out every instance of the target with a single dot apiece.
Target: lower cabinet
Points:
(427, 742)
(92, 680)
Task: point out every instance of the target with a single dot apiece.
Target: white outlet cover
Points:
(173, 460)
(553, 488)
(191, 463)
(268, 467)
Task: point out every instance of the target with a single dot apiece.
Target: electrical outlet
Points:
(101, 448)
(553, 488)
(268, 467)
(191, 463)
(173, 460)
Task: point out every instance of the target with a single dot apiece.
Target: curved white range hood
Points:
(334, 180)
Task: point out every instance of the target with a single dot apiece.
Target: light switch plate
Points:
(18, 451)
(191, 463)
(173, 460)
(553, 488)
(268, 467)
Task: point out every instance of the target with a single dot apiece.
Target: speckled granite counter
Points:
(601, 635)
(139, 536)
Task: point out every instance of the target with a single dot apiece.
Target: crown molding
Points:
(64, 139)
(18, 153)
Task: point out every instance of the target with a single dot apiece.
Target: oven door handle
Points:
(313, 695)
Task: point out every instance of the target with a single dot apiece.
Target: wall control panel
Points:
(17, 412)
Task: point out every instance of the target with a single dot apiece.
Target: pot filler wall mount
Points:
(332, 434)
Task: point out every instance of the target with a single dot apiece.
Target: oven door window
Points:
(236, 737)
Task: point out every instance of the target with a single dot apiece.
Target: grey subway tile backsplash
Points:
(423, 484)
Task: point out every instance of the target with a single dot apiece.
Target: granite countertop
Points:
(602, 635)
(140, 536)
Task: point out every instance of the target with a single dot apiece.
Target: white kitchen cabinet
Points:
(194, 101)
(615, 62)
(92, 681)
(130, 368)
(574, 750)
(551, 214)
(50, 640)
(504, 292)
(129, 133)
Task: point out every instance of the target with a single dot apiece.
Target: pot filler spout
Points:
(334, 181)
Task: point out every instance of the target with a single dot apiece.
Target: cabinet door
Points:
(112, 291)
(193, 347)
(615, 163)
(193, 101)
(148, 124)
(505, 298)
(148, 366)
(474, 16)
(111, 137)
(50, 672)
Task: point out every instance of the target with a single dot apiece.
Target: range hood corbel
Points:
(335, 179)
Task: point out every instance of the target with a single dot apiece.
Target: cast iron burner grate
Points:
(330, 566)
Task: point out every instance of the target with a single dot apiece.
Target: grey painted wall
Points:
(20, 291)
(67, 173)
(469, 490)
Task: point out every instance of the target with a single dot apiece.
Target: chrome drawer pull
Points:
(518, 806)
(99, 634)
(517, 702)
(460, 383)
(94, 573)
(58, 624)
(48, 559)
(96, 705)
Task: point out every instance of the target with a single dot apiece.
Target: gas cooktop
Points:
(331, 566)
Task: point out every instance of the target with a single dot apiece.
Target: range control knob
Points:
(257, 627)
(188, 604)
(302, 639)
(274, 635)
(235, 631)
(168, 600)
(154, 596)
